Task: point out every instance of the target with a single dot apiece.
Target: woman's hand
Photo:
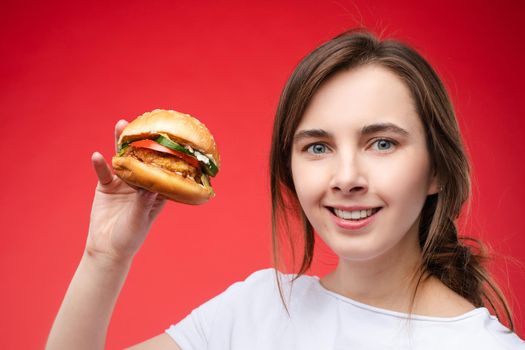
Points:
(121, 215)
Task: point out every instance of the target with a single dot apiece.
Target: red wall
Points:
(70, 70)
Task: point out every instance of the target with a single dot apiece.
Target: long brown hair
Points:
(457, 262)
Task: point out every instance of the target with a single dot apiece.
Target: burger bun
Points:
(154, 179)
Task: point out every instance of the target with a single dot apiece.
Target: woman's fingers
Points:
(121, 124)
(104, 174)
(160, 201)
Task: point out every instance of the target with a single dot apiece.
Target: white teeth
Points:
(355, 214)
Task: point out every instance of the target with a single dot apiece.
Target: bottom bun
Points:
(154, 179)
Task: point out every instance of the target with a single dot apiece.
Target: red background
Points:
(70, 70)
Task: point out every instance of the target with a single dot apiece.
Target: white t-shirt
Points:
(250, 315)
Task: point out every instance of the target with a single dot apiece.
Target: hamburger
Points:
(168, 152)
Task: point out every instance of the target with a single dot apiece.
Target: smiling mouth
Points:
(354, 215)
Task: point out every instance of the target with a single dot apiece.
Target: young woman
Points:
(367, 153)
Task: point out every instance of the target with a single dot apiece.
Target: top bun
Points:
(180, 127)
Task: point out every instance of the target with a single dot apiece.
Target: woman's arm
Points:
(120, 220)
(84, 316)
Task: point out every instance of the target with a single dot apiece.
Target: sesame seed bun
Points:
(181, 128)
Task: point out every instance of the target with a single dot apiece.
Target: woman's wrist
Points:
(107, 262)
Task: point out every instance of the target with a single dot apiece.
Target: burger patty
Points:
(164, 161)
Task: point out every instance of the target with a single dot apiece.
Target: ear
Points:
(433, 186)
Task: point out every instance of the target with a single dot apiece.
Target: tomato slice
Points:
(150, 144)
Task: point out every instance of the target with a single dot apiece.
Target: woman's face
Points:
(360, 165)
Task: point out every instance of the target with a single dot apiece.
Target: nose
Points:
(349, 175)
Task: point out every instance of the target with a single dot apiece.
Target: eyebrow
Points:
(366, 130)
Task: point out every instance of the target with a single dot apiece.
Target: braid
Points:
(459, 262)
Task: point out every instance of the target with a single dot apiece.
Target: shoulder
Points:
(248, 312)
(480, 330)
(469, 326)
(264, 284)
(493, 332)
(259, 288)
(269, 276)
(256, 281)
(436, 299)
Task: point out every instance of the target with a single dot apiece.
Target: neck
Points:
(387, 281)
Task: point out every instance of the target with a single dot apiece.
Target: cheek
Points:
(407, 179)
(310, 182)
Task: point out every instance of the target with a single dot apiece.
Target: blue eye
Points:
(383, 145)
(316, 148)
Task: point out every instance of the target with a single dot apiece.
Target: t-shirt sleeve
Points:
(194, 331)
(191, 333)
